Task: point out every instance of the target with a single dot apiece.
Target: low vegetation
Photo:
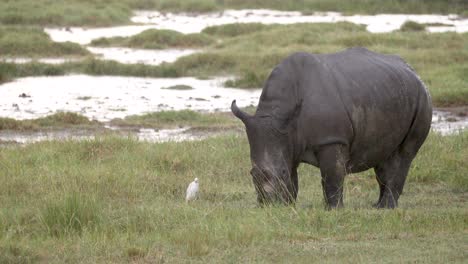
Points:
(412, 26)
(64, 13)
(158, 120)
(112, 12)
(56, 121)
(181, 118)
(9, 71)
(157, 39)
(34, 42)
(233, 30)
(118, 200)
(91, 66)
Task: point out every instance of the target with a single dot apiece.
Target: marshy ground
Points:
(94, 183)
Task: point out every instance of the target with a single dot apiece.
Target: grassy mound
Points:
(58, 120)
(34, 42)
(412, 26)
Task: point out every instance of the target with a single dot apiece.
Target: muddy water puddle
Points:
(193, 23)
(104, 98)
(447, 123)
(141, 134)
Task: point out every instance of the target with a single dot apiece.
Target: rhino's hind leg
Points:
(391, 176)
(332, 163)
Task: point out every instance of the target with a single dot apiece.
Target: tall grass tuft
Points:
(70, 216)
(443, 159)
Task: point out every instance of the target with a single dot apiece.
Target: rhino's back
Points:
(360, 98)
(382, 96)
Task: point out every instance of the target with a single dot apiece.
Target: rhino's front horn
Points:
(239, 113)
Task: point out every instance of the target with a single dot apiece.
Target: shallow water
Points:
(145, 56)
(32, 137)
(106, 97)
(447, 123)
(193, 23)
(143, 134)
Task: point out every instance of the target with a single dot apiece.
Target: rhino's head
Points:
(272, 156)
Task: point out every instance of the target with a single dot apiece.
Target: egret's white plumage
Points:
(192, 191)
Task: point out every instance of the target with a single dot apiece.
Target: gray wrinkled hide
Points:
(343, 112)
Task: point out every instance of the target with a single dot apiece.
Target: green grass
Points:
(34, 42)
(118, 200)
(64, 13)
(412, 26)
(233, 30)
(157, 39)
(189, 118)
(112, 12)
(9, 71)
(70, 215)
(58, 120)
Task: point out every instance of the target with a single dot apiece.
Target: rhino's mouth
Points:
(270, 189)
(268, 194)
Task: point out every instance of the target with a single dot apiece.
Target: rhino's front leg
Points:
(332, 163)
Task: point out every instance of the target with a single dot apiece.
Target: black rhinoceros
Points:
(344, 112)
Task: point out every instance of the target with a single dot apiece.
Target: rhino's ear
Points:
(281, 124)
(243, 116)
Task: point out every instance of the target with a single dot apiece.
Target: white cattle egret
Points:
(192, 191)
